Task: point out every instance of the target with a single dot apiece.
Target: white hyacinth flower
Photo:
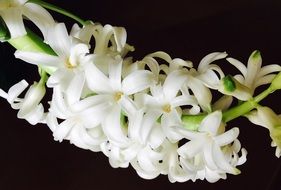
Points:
(204, 154)
(13, 11)
(265, 117)
(116, 92)
(81, 118)
(69, 60)
(137, 124)
(29, 107)
(254, 74)
(165, 102)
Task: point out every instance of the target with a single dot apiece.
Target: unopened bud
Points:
(230, 86)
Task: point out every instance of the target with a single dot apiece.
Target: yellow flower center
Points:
(69, 65)
(167, 108)
(118, 96)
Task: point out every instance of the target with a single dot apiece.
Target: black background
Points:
(30, 159)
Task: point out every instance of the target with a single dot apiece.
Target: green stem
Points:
(32, 43)
(59, 10)
(192, 122)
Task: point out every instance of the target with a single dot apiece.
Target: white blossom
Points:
(13, 11)
(81, 119)
(254, 74)
(69, 60)
(204, 154)
(116, 92)
(29, 107)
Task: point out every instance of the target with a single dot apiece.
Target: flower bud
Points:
(230, 86)
(31, 100)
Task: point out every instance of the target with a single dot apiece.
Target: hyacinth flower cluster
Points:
(156, 114)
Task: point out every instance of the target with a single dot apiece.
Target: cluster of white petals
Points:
(130, 110)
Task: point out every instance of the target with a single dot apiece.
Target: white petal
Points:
(152, 64)
(227, 137)
(63, 129)
(264, 80)
(211, 123)
(59, 40)
(208, 155)
(31, 99)
(137, 82)
(181, 62)
(156, 137)
(91, 101)
(253, 70)
(34, 116)
(142, 173)
(102, 39)
(94, 137)
(16, 90)
(76, 52)
(14, 21)
(147, 159)
(243, 158)
(135, 124)
(148, 122)
(75, 136)
(173, 83)
(264, 116)
(188, 134)
(52, 122)
(128, 106)
(267, 69)
(191, 148)
(183, 100)
(201, 92)
(120, 36)
(39, 16)
(115, 71)
(212, 176)
(61, 77)
(94, 115)
(40, 59)
(113, 129)
(74, 90)
(221, 162)
(96, 80)
(203, 65)
(210, 79)
(58, 105)
(169, 122)
(240, 66)
(176, 172)
(162, 55)
(3, 94)
(84, 34)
